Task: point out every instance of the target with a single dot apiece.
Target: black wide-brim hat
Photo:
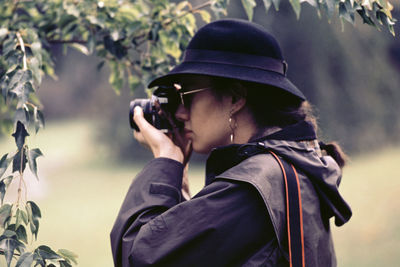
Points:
(236, 49)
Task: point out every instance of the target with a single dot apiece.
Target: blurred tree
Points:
(349, 73)
(137, 40)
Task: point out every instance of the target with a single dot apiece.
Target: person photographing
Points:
(271, 186)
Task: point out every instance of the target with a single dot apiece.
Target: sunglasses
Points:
(187, 97)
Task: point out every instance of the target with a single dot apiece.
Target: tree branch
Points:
(21, 175)
(60, 41)
(190, 11)
(21, 43)
(169, 20)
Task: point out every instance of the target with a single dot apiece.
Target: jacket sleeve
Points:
(224, 224)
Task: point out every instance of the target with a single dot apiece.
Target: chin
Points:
(201, 149)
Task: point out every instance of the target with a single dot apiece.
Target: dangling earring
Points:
(232, 125)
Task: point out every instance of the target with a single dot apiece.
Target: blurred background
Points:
(350, 74)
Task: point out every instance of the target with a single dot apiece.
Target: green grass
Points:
(371, 185)
(80, 193)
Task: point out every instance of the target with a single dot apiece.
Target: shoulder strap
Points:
(294, 215)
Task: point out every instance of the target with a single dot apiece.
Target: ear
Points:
(237, 104)
(239, 93)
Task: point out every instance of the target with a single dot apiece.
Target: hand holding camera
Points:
(155, 125)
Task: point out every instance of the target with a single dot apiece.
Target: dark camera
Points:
(159, 110)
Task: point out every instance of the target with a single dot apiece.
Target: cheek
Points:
(211, 129)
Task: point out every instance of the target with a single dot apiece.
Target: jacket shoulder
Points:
(264, 173)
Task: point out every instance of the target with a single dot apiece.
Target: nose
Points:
(182, 113)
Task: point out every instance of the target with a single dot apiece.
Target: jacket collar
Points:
(223, 158)
(296, 132)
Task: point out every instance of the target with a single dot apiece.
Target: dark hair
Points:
(274, 107)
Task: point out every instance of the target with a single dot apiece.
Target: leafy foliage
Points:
(372, 12)
(138, 40)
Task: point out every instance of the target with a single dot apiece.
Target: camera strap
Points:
(217, 163)
(294, 214)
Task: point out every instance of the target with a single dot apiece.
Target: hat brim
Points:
(230, 71)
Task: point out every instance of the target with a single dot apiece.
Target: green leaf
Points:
(18, 81)
(4, 82)
(314, 3)
(4, 163)
(296, 7)
(35, 66)
(32, 155)
(20, 135)
(36, 48)
(71, 9)
(45, 252)
(3, 33)
(35, 209)
(114, 47)
(219, 7)
(5, 214)
(20, 217)
(134, 82)
(81, 48)
(68, 255)
(153, 33)
(39, 261)
(267, 5)
(345, 12)
(4, 183)
(330, 8)
(116, 78)
(8, 233)
(8, 244)
(65, 264)
(249, 8)
(98, 21)
(66, 20)
(21, 115)
(170, 45)
(181, 5)
(19, 161)
(23, 94)
(34, 215)
(391, 29)
(25, 260)
(366, 18)
(205, 15)
(38, 119)
(189, 21)
(53, 262)
(276, 4)
(14, 57)
(21, 234)
(385, 20)
(9, 44)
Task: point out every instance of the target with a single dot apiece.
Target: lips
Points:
(187, 132)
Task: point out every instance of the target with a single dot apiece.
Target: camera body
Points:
(159, 110)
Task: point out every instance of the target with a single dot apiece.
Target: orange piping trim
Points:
(287, 205)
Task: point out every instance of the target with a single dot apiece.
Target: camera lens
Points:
(147, 108)
(160, 110)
